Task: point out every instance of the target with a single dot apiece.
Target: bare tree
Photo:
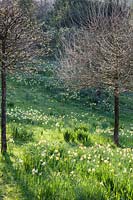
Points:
(101, 53)
(19, 39)
(43, 7)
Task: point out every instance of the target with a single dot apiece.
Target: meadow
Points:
(60, 146)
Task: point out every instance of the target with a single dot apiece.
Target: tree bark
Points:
(3, 102)
(116, 113)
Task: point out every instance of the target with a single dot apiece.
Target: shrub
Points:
(78, 135)
(21, 133)
(82, 136)
(69, 135)
(81, 127)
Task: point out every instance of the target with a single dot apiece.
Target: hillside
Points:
(60, 149)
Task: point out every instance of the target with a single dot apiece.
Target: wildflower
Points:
(89, 170)
(73, 160)
(20, 161)
(51, 157)
(84, 156)
(34, 171)
(89, 157)
(101, 183)
(57, 124)
(81, 158)
(125, 170)
(69, 152)
(93, 170)
(11, 140)
(75, 154)
(106, 161)
(44, 163)
(58, 174)
(57, 158)
(43, 154)
(72, 172)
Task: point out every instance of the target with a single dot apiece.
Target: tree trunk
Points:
(116, 112)
(3, 102)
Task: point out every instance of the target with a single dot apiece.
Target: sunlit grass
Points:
(41, 164)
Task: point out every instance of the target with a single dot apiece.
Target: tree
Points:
(19, 39)
(69, 13)
(101, 54)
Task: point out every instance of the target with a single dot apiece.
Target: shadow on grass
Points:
(126, 140)
(22, 143)
(12, 176)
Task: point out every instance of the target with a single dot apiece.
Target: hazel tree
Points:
(19, 41)
(100, 54)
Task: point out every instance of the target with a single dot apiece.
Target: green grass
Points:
(64, 151)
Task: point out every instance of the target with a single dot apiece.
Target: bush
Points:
(82, 127)
(69, 135)
(82, 136)
(78, 135)
(21, 133)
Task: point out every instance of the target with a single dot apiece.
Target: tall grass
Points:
(62, 149)
(56, 171)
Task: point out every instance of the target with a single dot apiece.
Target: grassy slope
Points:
(33, 111)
